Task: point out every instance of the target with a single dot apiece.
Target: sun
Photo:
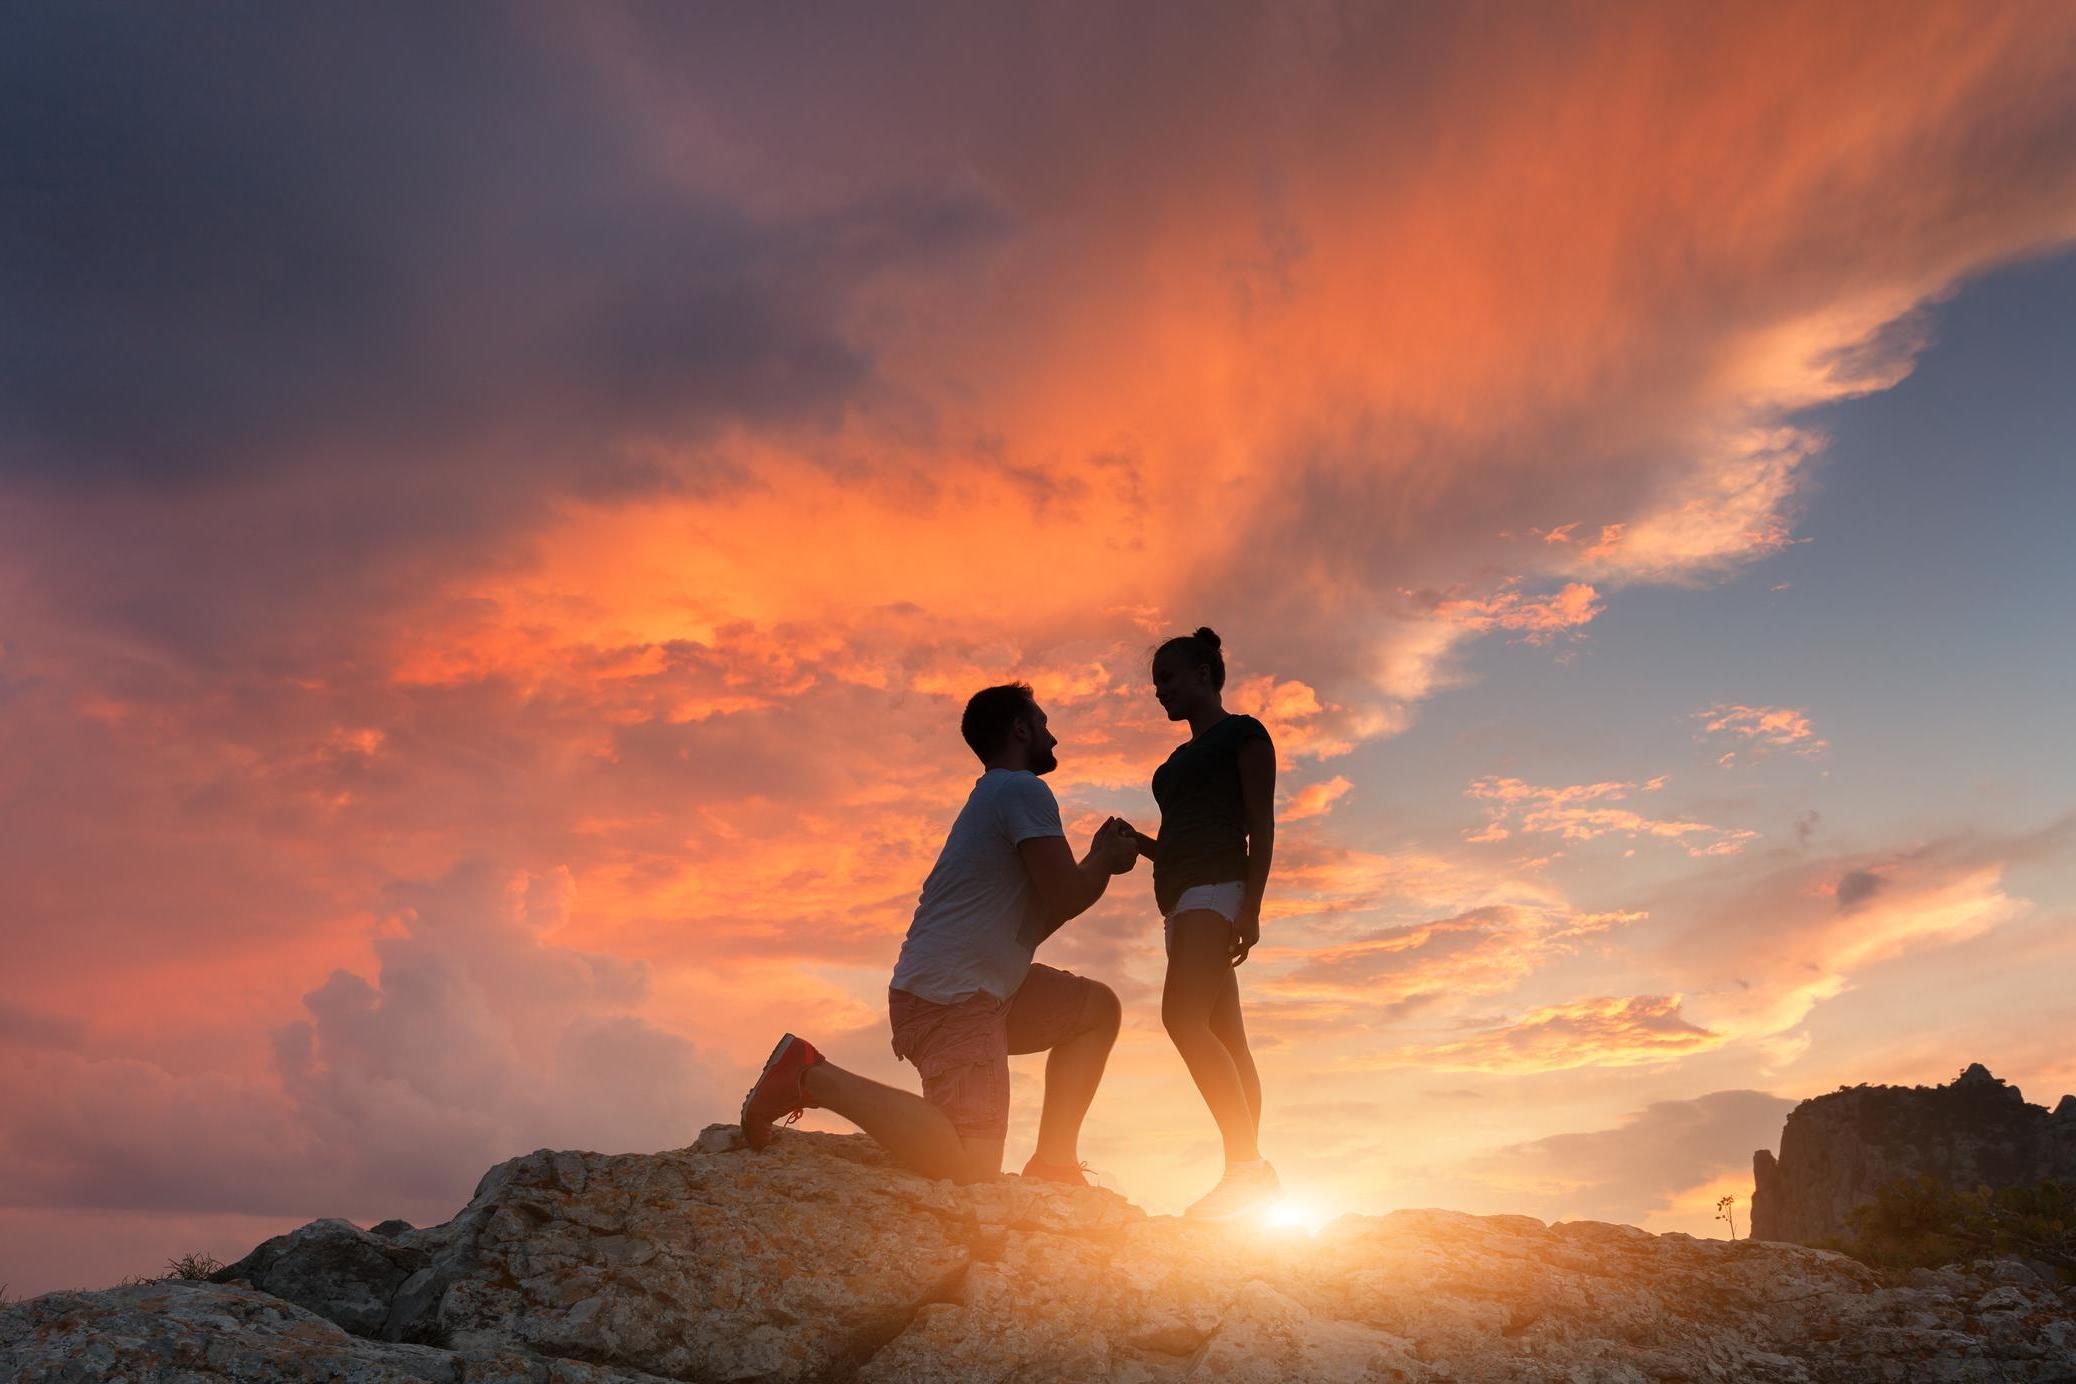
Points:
(1291, 1215)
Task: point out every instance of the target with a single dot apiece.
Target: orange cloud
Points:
(1538, 619)
(1607, 1031)
(1315, 799)
(1760, 957)
(1760, 729)
(1399, 970)
(1578, 813)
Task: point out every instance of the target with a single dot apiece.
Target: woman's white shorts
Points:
(1222, 899)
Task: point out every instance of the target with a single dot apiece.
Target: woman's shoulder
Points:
(1242, 727)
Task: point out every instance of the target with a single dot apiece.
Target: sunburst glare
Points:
(1291, 1215)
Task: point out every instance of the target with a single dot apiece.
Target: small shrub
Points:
(1921, 1223)
(192, 1268)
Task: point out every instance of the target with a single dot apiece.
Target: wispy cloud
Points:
(1583, 812)
(1315, 799)
(1603, 1031)
(1533, 619)
(1644, 1163)
(1754, 731)
(1396, 971)
(1760, 955)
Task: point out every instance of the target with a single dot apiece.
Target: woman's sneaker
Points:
(1245, 1187)
(778, 1093)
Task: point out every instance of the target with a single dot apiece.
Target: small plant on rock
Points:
(1726, 1212)
(193, 1268)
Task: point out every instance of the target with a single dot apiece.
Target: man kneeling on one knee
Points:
(966, 992)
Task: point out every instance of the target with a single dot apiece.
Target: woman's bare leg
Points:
(1200, 976)
(1231, 1030)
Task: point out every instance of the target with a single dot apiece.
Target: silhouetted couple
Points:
(966, 992)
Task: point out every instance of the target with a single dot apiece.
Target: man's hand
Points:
(1116, 845)
(1246, 933)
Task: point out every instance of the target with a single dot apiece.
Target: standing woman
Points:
(1210, 865)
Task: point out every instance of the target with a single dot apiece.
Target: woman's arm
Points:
(1258, 796)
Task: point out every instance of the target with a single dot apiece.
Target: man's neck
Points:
(1015, 763)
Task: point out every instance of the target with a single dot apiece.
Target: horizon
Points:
(500, 512)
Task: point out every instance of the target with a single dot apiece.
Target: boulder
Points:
(185, 1333)
(337, 1270)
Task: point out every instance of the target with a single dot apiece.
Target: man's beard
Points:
(1044, 762)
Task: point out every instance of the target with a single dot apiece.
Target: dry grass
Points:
(192, 1268)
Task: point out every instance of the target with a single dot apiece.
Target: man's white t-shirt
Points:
(976, 924)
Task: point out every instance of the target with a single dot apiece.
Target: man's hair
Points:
(990, 714)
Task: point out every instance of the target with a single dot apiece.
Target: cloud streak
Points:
(1585, 812)
(1603, 1031)
(1755, 731)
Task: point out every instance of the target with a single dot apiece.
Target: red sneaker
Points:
(1074, 1175)
(778, 1093)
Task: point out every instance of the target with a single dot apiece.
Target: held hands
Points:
(1116, 845)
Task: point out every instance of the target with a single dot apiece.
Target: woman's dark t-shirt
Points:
(1203, 835)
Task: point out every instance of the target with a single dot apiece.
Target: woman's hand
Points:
(1246, 932)
(1116, 843)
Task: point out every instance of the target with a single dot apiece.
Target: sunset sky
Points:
(501, 507)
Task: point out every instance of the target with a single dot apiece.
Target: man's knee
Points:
(1102, 1012)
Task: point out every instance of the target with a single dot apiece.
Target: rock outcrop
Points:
(816, 1260)
(337, 1270)
(160, 1333)
(1837, 1150)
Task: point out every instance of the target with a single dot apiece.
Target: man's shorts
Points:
(962, 1049)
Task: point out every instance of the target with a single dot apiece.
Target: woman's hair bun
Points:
(1208, 635)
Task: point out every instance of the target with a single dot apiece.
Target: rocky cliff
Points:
(1837, 1149)
(815, 1260)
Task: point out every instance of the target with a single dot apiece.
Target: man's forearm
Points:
(1094, 879)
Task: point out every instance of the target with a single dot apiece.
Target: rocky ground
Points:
(815, 1260)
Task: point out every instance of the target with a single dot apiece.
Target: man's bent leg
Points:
(960, 1051)
(916, 1132)
(1077, 1020)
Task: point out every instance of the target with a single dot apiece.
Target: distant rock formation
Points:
(817, 1260)
(1838, 1149)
